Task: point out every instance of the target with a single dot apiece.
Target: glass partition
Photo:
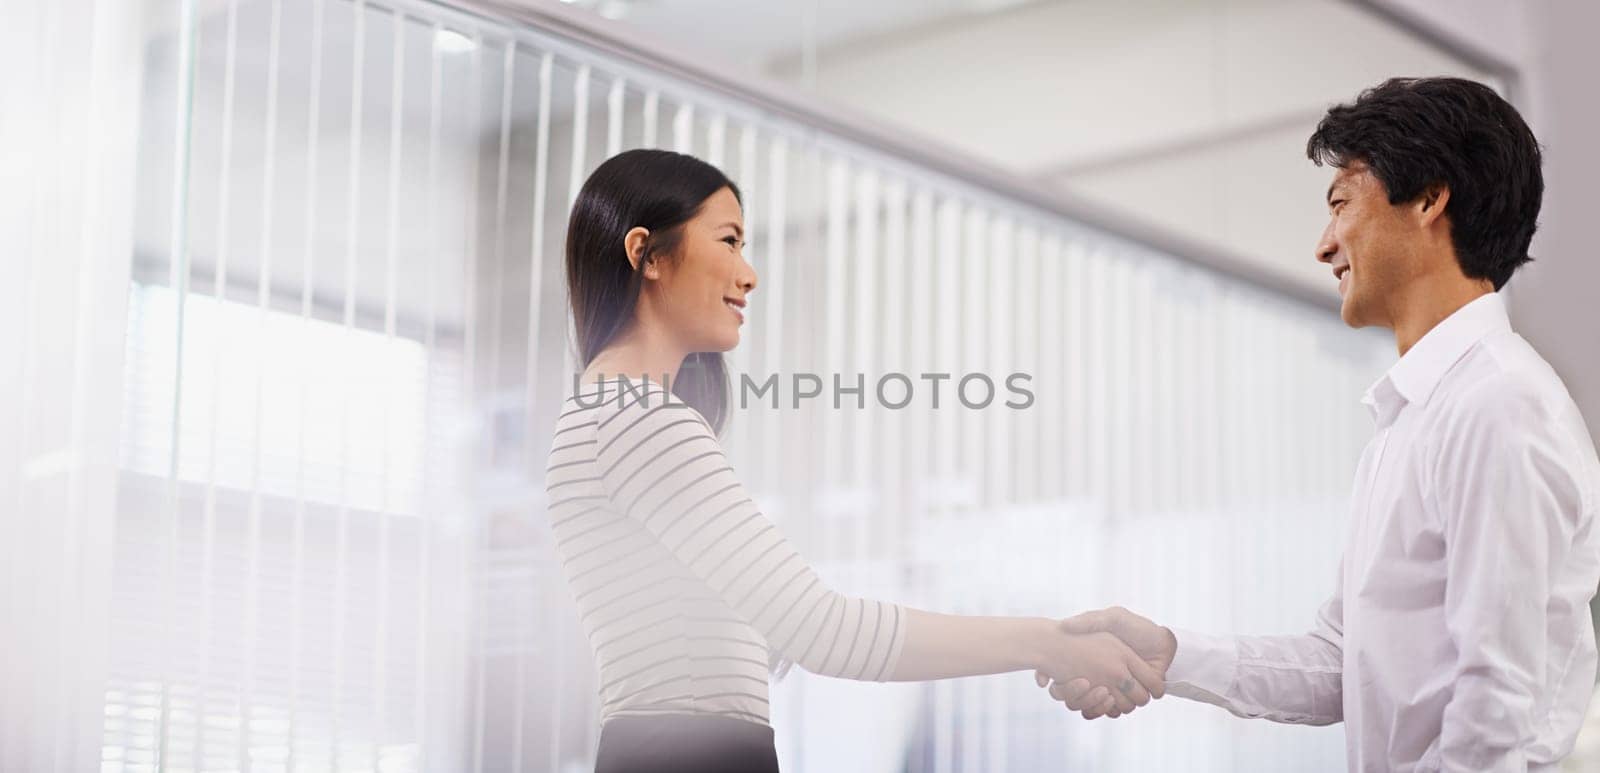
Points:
(348, 339)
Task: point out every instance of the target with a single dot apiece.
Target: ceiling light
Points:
(452, 42)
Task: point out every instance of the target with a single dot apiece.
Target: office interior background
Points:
(284, 332)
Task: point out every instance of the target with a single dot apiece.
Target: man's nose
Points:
(1327, 246)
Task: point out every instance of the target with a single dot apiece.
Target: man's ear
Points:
(634, 244)
(1431, 204)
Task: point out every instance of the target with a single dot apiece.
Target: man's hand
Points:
(1121, 679)
(1154, 644)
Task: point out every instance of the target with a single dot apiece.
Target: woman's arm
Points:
(661, 465)
(946, 646)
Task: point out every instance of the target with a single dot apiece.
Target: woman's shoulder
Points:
(616, 392)
(616, 397)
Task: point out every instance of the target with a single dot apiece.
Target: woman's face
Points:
(700, 292)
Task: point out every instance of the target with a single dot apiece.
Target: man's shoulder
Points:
(1504, 376)
(1501, 397)
(1507, 396)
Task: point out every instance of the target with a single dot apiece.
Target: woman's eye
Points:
(732, 241)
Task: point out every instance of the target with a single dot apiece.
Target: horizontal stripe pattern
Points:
(685, 589)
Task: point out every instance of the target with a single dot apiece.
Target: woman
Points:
(686, 591)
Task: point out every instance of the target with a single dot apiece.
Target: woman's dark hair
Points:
(1417, 132)
(659, 191)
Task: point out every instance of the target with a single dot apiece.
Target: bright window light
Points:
(298, 407)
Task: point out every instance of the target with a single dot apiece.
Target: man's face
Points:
(1369, 244)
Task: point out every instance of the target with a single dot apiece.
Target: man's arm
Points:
(1509, 505)
(1295, 679)
(1292, 679)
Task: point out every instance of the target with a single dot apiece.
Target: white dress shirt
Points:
(1458, 636)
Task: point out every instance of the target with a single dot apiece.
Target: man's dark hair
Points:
(1417, 132)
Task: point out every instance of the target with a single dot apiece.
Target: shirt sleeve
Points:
(661, 464)
(1292, 679)
(1510, 507)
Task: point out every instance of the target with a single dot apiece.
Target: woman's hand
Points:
(1120, 679)
(1155, 644)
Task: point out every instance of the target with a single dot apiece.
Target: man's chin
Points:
(1350, 314)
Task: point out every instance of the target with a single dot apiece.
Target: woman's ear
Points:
(634, 244)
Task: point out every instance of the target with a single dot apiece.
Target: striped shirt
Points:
(686, 591)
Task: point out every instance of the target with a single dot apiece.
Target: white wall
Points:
(1554, 305)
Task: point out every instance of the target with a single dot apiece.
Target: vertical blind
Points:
(69, 82)
(346, 340)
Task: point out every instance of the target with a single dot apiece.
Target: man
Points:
(1458, 636)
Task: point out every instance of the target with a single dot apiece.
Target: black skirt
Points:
(685, 743)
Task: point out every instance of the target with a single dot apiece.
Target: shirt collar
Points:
(1414, 378)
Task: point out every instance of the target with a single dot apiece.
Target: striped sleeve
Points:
(661, 464)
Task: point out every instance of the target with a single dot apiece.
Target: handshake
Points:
(1108, 663)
